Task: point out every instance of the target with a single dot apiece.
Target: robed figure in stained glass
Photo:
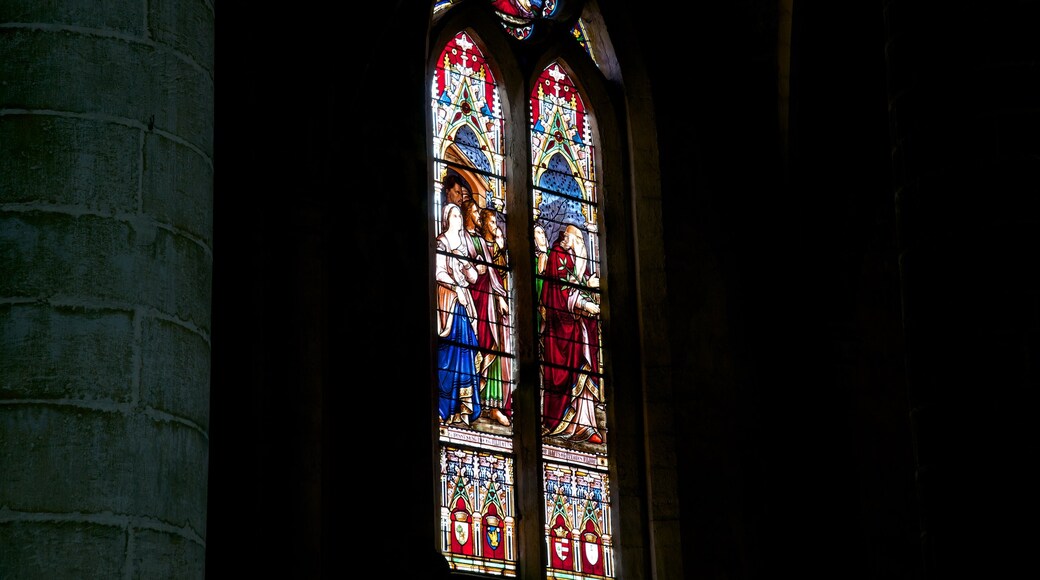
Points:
(491, 297)
(456, 313)
(570, 341)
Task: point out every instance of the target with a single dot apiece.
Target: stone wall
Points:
(106, 187)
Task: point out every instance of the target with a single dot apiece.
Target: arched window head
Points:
(529, 20)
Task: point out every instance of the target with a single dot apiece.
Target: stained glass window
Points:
(519, 17)
(475, 304)
(570, 345)
(477, 522)
(442, 5)
(578, 531)
(484, 472)
(581, 34)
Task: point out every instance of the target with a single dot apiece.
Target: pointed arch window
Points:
(490, 415)
(474, 301)
(570, 341)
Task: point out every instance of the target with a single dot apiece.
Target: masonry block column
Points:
(106, 172)
(965, 123)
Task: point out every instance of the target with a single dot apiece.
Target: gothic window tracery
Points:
(478, 374)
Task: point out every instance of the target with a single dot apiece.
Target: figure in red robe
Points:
(570, 342)
(491, 299)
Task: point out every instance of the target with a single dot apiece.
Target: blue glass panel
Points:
(466, 139)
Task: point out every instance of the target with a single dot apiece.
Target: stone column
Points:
(106, 172)
(965, 130)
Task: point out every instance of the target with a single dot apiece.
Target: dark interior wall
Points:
(963, 99)
(269, 198)
(321, 368)
(783, 284)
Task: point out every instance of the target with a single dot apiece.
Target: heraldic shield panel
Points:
(477, 520)
(577, 515)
